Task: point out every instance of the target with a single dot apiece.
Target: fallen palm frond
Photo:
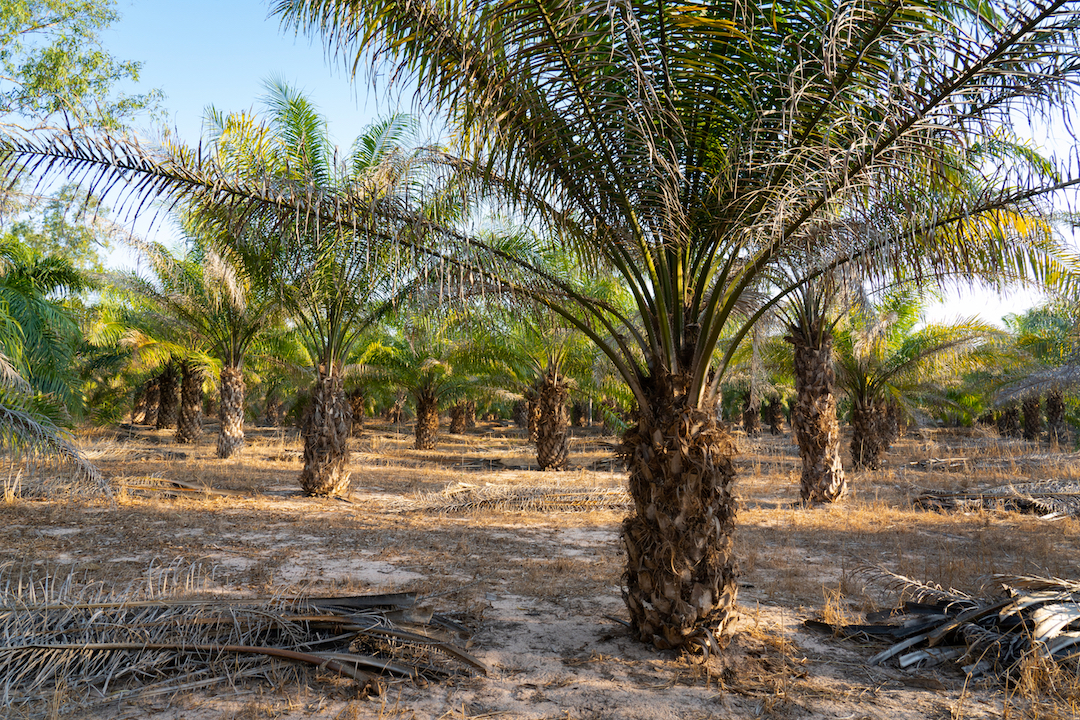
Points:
(1049, 499)
(156, 486)
(1035, 617)
(74, 642)
(463, 498)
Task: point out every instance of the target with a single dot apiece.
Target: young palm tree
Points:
(38, 340)
(694, 149)
(811, 323)
(221, 304)
(885, 363)
(424, 358)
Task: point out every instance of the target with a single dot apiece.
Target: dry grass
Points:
(510, 573)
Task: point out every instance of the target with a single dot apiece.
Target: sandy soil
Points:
(541, 590)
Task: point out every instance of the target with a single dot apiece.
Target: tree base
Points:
(679, 584)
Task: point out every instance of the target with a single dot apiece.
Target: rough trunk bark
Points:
(867, 439)
(272, 410)
(1008, 423)
(520, 414)
(138, 406)
(1055, 417)
(168, 399)
(813, 419)
(532, 404)
(774, 415)
(189, 419)
(578, 411)
(552, 421)
(153, 396)
(395, 414)
(679, 583)
(751, 417)
(427, 419)
(356, 404)
(457, 418)
(1032, 418)
(326, 427)
(231, 434)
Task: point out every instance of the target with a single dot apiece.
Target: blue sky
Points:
(202, 53)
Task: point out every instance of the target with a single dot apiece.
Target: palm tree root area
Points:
(679, 584)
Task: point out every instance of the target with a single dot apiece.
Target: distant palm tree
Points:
(217, 301)
(886, 364)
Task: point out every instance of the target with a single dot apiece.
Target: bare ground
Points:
(542, 589)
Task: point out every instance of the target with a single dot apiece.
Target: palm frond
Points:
(166, 632)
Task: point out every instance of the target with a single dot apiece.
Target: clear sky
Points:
(202, 53)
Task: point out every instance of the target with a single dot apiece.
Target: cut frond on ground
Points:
(1049, 499)
(997, 636)
(70, 638)
(148, 485)
(464, 498)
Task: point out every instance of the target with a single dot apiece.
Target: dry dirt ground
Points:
(541, 589)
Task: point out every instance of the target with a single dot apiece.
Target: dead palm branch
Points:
(1034, 618)
(78, 643)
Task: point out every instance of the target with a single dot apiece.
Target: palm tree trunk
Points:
(169, 400)
(532, 413)
(774, 415)
(680, 576)
(867, 442)
(271, 415)
(813, 419)
(231, 434)
(427, 419)
(1008, 423)
(189, 421)
(470, 414)
(326, 428)
(1055, 416)
(356, 404)
(395, 413)
(1032, 418)
(751, 417)
(552, 421)
(457, 418)
(153, 396)
(138, 407)
(520, 414)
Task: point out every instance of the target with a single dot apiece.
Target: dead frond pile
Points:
(1049, 499)
(1033, 618)
(67, 643)
(464, 498)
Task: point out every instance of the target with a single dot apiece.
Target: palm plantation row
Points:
(730, 166)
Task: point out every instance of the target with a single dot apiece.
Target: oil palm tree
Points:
(221, 305)
(333, 277)
(887, 365)
(811, 321)
(694, 150)
(430, 355)
(39, 336)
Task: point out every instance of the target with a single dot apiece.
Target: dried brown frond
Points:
(70, 640)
